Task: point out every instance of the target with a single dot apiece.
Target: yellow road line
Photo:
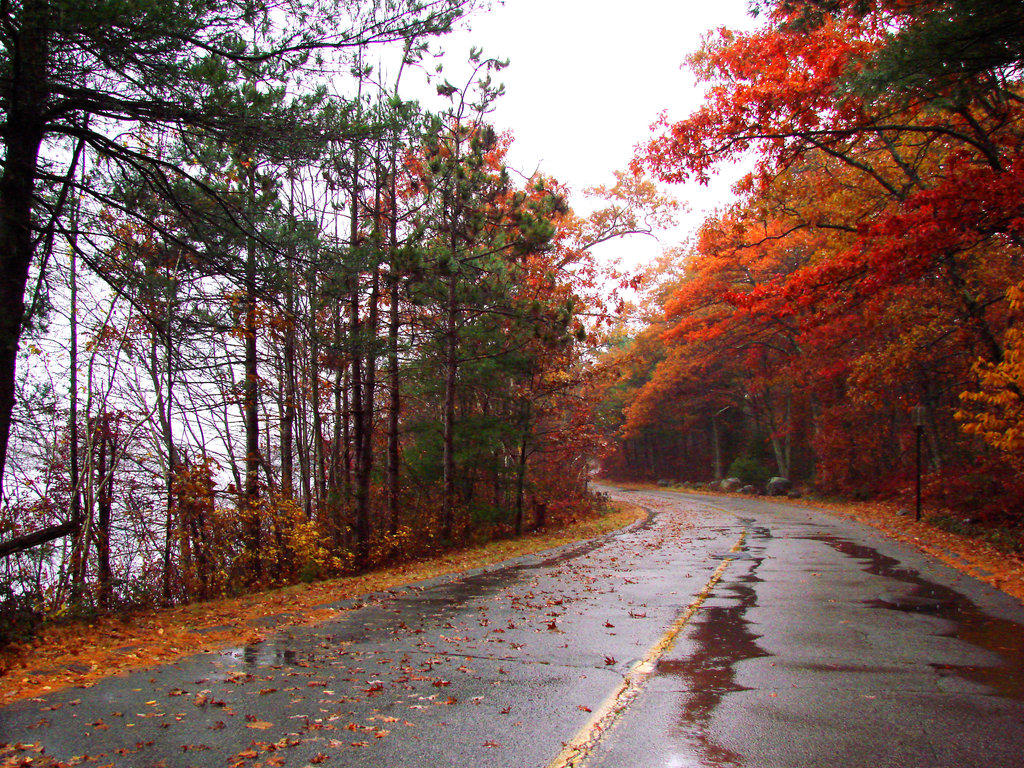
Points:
(576, 751)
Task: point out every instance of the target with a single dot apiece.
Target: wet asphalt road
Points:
(820, 644)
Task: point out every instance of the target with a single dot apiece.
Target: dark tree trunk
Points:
(448, 424)
(394, 406)
(289, 394)
(25, 94)
(540, 509)
(319, 469)
(355, 343)
(73, 457)
(338, 470)
(166, 413)
(104, 480)
(288, 416)
(364, 467)
(716, 449)
(392, 474)
(394, 386)
(305, 463)
(346, 438)
(521, 470)
(251, 409)
(34, 539)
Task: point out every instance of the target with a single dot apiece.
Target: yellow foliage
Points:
(995, 412)
(306, 541)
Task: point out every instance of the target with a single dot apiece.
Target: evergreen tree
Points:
(98, 71)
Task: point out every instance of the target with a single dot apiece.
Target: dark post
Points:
(917, 416)
(917, 451)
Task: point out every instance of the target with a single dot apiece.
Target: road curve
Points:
(720, 632)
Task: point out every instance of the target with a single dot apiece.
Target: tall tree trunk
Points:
(448, 424)
(781, 444)
(251, 405)
(305, 468)
(392, 473)
(25, 93)
(319, 467)
(338, 478)
(104, 478)
(288, 413)
(365, 466)
(356, 350)
(73, 438)
(84, 535)
(289, 389)
(521, 468)
(394, 385)
(346, 437)
(172, 459)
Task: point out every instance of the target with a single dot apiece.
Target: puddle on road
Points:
(722, 638)
(283, 650)
(969, 623)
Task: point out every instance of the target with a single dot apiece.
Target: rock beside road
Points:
(732, 484)
(779, 486)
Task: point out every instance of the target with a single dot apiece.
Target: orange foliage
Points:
(864, 268)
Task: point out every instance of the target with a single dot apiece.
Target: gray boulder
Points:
(664, 483)
(748, 489)
(779, 486)
(714, 485)
(732, 484)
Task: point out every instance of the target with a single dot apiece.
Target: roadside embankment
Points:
(82, 652)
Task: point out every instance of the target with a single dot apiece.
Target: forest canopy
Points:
(869, 264)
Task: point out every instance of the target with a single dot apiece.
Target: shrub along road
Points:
(719, 632)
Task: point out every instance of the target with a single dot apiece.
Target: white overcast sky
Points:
(586, 80)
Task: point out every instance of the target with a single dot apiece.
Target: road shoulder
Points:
(82, 653)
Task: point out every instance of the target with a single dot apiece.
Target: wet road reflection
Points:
(722, 637)
(966, 621)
